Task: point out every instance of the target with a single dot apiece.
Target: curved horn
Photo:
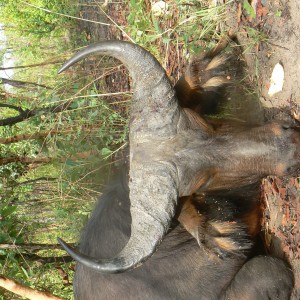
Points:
(150, 220)
(154, 109)
(153, 183)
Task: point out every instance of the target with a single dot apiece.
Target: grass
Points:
(190, 25)
(254, 39)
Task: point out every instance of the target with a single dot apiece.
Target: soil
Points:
(278, 25)
(282, 47)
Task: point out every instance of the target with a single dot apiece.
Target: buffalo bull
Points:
(176, 153)
(181, 268)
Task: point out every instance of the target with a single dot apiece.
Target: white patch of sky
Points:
(7, 60)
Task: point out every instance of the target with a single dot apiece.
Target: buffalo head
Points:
(174, 152)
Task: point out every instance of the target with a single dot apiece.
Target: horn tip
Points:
(61, 69)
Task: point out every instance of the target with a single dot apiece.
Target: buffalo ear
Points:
(212, 221)
(196, 122)
(189, 217)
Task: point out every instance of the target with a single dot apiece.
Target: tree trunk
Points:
(27, 113)
(25, 160)
(25, 291)
(22, 84)
(26, 137)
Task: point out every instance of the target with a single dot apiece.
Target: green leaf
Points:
(134, 4)
(74, 104)
(106, 152)
(166, 40)
(155, 23)
(60, 145)
(71, 163)
(25, 272)
(8, 210)
(249, 9)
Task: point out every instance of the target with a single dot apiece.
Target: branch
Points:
(36, 180)
(33, 65)
(17, 108)
(23, 115)
(27, 137)
(21, 84)
(26, 114)
(25, 291)
(4, 95)
(32, 247)
(24, 160)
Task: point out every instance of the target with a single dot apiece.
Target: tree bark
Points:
(25, 160)
(28, 113)
(27, 137)
(25, 291)
(22, 84)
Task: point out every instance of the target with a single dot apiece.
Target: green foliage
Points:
(255, 37)
(37, 31)
(8, 225)
(36, 275)
(195, 25)
(249, 9)
(144, 29)
(278, 13)
(32, 20)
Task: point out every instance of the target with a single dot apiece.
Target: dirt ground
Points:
(274, 34)
(279, 23)
(282, 47)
